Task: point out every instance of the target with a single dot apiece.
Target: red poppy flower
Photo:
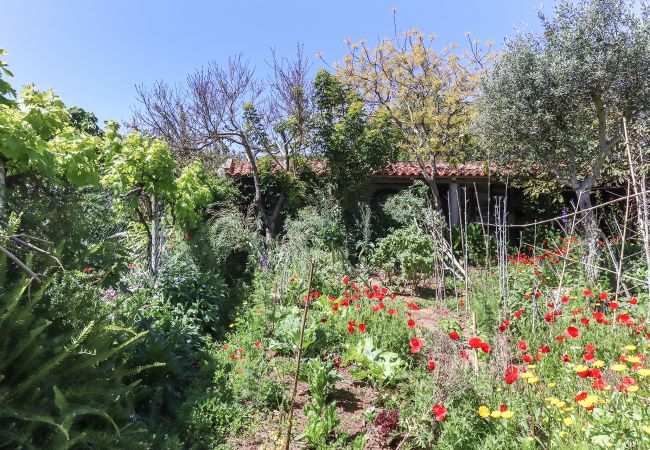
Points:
(565, 299)
(603, 295)
(503, 408)
(584, 321)
(586, 292)
(486, 347)
(527, 358)
(523, 346)
(453, 335)
(544, 348)
(335, 307)
(599, 384)
(475, 342)
(527, 296)
(440, 412)
(315, 294)
(362, 328)
(581, 396)
(633, 301)
(258, 344)
(350, 330)
(613, 305)
(560, 338)
(512, 373)
(346, 280)
(391, 311)
(411, 323)
(517, 314)
(431, 366)
(549, 317)
(565, 358)
(572, 333)
(352, 323)
(416, 345)
(538, 294)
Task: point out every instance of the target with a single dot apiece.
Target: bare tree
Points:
(226, 110)
(290, 105)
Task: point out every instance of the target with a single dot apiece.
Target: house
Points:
(469, 187)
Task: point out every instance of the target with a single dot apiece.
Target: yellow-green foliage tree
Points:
(428, 94)
(147, 182)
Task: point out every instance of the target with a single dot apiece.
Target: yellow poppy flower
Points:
(619, 368)
(507, 414)
(532, 380)
(568, 421)
(645, 373)
(495, 414)
(483, 411)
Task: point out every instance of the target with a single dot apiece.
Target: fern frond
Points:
(89, 362)
(53, 362)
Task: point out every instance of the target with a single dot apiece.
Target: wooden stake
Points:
(297, 374)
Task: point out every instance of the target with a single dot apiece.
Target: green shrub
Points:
(406, 252)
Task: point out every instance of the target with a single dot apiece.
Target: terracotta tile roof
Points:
(412, 169)
(399, 169)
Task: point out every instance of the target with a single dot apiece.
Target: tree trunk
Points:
(430, 178)
(590, 258)
(154, 244)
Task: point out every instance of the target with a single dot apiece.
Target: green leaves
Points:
(192, 193)
(379, 367)
(6, 91)
(138, 162)
(352, 141)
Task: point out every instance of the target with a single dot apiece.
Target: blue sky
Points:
(94, 52)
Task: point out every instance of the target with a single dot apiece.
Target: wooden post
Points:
(297, 374)
(475, 332)
(454, 204)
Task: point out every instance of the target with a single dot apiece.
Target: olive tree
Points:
(556, 100)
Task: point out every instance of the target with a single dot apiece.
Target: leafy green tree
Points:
(557, 100)
(85, 121)
(38, 146)
(352, 141)
(146, 181)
